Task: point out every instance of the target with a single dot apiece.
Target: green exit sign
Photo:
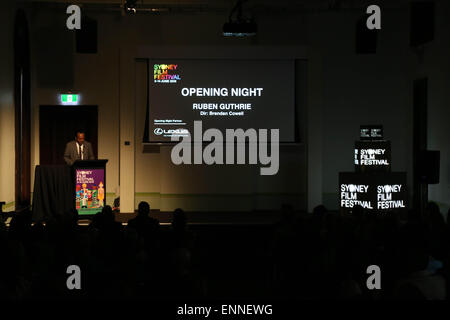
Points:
(69, 98)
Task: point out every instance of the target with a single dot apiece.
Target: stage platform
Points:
(196, 218)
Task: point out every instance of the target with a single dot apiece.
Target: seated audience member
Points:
(349, 289)
(143, 223)
(358, 212)
(414, 216)
(97, 220)
(435, 218)
(437, 228)
(109, 221)
(283, 244)
(182, 236)
(181, 255)
(116, 205)
(320, 211)
(179, 220)
(413, 255)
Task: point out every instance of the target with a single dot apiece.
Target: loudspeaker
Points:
(422, 23)
(429, 163)
(86, 37)
(366, 39)
(54, 47)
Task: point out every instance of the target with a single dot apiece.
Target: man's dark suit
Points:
(71, 153)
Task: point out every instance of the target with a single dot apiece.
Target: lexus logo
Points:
(158, 131)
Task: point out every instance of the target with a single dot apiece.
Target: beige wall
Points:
(436, 66)
(113, 80)
(7, 136)
(96, 77)
(377, 90)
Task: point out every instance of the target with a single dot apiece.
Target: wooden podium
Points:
(89, 178)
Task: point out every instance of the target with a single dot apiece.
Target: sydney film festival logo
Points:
(165, 73)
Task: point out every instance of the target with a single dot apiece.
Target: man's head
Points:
(79, 137)
(179, 219)
(143, 208)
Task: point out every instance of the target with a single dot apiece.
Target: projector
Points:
(239, 29)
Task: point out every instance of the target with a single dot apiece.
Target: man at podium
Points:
(78, 149)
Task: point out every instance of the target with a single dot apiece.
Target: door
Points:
(59, 124)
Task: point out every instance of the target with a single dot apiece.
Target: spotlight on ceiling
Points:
(241, 26)
(130, 6)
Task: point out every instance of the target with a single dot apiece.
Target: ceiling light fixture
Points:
(130, 6)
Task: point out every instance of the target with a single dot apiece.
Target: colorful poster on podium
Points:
(90, 190)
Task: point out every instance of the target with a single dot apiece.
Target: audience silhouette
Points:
(143, 223)
(323, 255)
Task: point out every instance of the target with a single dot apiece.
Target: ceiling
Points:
(267, 6)
(252, 7)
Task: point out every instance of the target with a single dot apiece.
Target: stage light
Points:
(241, 27)
(130, 6)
